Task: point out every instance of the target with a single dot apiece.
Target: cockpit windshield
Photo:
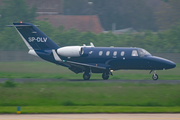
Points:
(143, 52)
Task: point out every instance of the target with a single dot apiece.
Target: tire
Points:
(105, 76)
(86, 76)
(155, 77)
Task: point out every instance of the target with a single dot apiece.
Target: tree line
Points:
(138, 14)
(167, 40)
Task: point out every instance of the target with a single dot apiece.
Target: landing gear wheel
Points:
(86, 76)
(155, 77)
(105, 76)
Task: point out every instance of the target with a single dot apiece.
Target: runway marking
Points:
(58, 119)
(103, 119)
(91, 117)
(143, 119)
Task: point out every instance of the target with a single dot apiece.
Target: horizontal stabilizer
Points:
(18, 25)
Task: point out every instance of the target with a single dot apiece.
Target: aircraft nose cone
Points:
(170, 64)
(162, 63)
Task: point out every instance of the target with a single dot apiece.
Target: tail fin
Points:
(33, 37)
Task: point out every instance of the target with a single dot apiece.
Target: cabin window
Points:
(122, 53)
(115, 53)
(134, 53)
(100, 53)
(107, 53)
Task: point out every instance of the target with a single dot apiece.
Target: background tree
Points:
(15, 11)
(122, 12)
(125, 13)
(169, 14)
(132, 13)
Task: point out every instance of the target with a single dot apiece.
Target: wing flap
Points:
(93, 65)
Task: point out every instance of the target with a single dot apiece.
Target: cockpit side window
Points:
(134, 53)
(143, 52)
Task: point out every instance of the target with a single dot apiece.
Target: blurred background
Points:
(151, 24)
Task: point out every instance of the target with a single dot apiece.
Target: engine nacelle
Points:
(70, 51)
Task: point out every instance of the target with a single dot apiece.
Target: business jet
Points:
(90, 59)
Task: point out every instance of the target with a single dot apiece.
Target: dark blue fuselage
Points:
(89, 59)
(115, 59)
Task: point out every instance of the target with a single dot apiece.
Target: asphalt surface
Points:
(91, 117)
(26, 80)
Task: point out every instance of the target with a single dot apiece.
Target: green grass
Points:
(90, 94)
(89, 109)
(85, 97)
(49, 70)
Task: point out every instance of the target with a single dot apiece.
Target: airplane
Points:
(90, 59)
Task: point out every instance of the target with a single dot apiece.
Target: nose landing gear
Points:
(155, 76)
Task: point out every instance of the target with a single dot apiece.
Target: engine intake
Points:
(70, 51)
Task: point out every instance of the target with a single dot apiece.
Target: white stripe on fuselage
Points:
(32, 52)
(56, 57)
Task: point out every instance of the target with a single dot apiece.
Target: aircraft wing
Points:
(84, 65)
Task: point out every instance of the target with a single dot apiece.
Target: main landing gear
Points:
(155, 76)
(105, 75)
(86, 75)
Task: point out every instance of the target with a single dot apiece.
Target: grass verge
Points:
(73, 76)
(49, 70)
(89, 94)
(89, 109)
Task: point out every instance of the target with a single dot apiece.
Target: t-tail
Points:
(38, 43)
(34, 38)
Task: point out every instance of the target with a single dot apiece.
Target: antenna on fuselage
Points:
(92, 45)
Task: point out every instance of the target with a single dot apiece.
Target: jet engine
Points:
(70, 51)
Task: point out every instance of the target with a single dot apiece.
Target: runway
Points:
(24, 80)
(91, 117)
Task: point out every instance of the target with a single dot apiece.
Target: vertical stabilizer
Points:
(34, 38)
